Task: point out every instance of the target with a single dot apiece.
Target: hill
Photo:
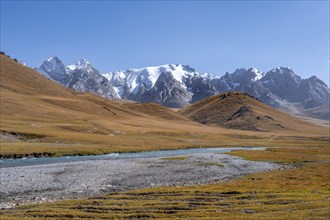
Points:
(237, 110)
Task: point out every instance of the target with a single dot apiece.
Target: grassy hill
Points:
(237, 110)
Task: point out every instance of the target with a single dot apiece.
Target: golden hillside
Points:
(237, 110)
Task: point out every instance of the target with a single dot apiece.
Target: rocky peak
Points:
(81, 64)
(283, 82)
(246, 75)
(169, 92)
(52, 63)
(54, 68)
(314, 89)
(283, 73)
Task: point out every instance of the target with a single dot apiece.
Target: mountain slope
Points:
(239, 111)
(80, 76)
(169, 85)
(169, 92)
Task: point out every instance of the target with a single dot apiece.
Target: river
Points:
(145, 154)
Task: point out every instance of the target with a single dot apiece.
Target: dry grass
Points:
(237, 110)
(284, 155)
(299, 193)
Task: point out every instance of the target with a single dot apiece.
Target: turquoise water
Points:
(112, 156)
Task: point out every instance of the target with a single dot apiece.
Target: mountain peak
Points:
(54, 68)
(285, 72)
(282, 69)
(51, 58)
(82, 63)
(53, 61)
(248, 74)
(258, 74)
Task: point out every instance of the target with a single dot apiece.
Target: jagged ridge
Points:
(279, 87)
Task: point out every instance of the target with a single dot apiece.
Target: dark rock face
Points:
(81, 76)
(55, 68)
(313, 90)
(200, 88)
(241, 112)
(282, 82)
(169, 92)
(90, 80)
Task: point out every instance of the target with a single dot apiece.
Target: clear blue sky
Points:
(211, 36)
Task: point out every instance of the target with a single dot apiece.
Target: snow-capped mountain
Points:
(167, 91)
(53, 68)
(177, 85)
(133, 79)
(80, 76)
(236, 80)
(184, 82)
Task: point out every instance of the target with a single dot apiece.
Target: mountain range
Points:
(179, 85)
(41, 117)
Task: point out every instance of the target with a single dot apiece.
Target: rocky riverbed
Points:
(67, 180)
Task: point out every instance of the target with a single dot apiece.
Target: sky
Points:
(210, 36)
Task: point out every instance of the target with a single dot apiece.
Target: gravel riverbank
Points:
(67, 180)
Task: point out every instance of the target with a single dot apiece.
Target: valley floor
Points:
(40, 183)
(301, 192)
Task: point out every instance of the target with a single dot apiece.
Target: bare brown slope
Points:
(237, 110)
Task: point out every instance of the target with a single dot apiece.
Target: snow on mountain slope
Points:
(80, 64)
(133, 79)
